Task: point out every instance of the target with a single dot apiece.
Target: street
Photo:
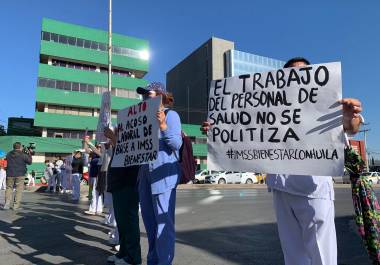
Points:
(214, 226)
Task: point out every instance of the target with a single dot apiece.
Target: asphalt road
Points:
(227, 226)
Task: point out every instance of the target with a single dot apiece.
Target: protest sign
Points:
(286, 121)
(138, 133)
(104, 120)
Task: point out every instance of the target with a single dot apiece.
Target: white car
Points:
(224, 177)
(201, 174)
(373, 177)
(248, 178)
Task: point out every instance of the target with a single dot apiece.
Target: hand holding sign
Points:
(161, 117)
(351, 114)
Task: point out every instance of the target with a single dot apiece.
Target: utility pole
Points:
(365, 146)
(110, 47)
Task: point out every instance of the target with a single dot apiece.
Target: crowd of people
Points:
(305, 217)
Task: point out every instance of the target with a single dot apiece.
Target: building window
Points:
(80, 42)
(81, 87)
(71, 41)
(90, 88)
(87, 44)
(62, 39)
(94, 45)
(73, 134)
(200, 140)
(46, 36)
(103, 47)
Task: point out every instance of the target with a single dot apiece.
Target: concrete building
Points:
(189, 80)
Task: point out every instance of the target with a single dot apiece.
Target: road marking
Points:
(182, 210)
(215, 192)
(211, 199)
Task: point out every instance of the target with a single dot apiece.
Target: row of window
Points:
(68, 134)
(82, 87)
(59, 109)
(88, 67)
(89, 44)
(78, 66)
(117, 72)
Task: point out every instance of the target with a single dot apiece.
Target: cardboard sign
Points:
(286, 121)
(104, 117)
(138, 133)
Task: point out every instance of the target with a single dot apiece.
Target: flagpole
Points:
(110, 47)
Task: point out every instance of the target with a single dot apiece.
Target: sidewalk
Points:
(49, 229)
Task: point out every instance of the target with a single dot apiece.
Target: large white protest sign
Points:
(138, 133)
(104, 120)
(286, 121)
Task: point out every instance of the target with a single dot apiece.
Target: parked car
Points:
(342, 179)
(224, 177)
(201, 174)
(261, 178)
(85, 176)
(212, 176)
(373, 177)
(248, 178)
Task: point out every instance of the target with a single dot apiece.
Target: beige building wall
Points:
(219, 47)
(189, 80)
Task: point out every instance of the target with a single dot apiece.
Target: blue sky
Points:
(322, 31)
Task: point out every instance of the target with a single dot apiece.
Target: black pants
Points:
(126, 207)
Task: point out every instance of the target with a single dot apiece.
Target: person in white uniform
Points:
(3, 174)
(304, 205)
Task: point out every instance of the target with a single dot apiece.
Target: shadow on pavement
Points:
(54, 233)
(51, 230)
(259, 244)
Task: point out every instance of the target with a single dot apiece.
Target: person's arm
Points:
(93, 148)
(86, 145)
(170, 126)
(351, 115)
(110, 134)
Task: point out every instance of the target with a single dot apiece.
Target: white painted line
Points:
(211, 199)
(182, 210)
(215, 192)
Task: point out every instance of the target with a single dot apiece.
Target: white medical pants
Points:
(306, 228)
(96, 205)
(3, 176)
(31, 180)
